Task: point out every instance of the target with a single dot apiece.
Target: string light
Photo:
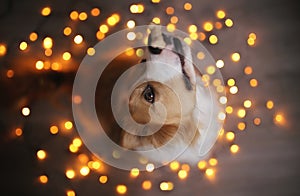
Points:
(121, 189)
(103, 179)
(147, 185)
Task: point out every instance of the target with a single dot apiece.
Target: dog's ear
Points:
(185, 56)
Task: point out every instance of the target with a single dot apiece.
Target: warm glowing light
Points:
(82, 16)
(84, 171)
(121, 189)
(220, 64)
(221, 116)
(33, 36)
(130, 24)
(155, 1)
(202, 165)
(185, 167)
(103, 28)
(96, 165)
(241, 113)
(66, 56)
(156, 20)
(134, 172)
(247, 103)
(146, 185)
(253, 82)
(187, 6)
(230, 136)
(174, 19)
(202, 36)
(39, 65)
(211, 69)
(257, 121)
(103, 179)
(187, 40)
(220, 14)
(208, 26)
(171, 27)
(41, 154)
(193, 28)
(55, 66)
(68, 125)
(77, 142)
(213, 39)
(139, 52)
(73, 148)
(174, 165)
(252, 36)
(71, 193)
(209, 172)
(213, 161)
(166, 186)
(228, 22)
(194, 36)
(78, 39)
(229, 109)
(223, 100)
(25, 111)
(46, 11)
(90, 52)
(23, 45)
(10, 73)
(95, 12)
(150, 167)
(279, 119)
(74, 15)
(233, 90)
(218, 25)
(139, 8)
(113, 20)
(100, 35)
(48, 52)
(2, 49)
(270, 104)
(18, 131)
(131, 36)
(53, 129)
(129, 52)
(250, 41)
(217, 82)
(248, 70)
(200, 55)
(241, 126)
(235, 57)
(43, 179)
(70, 173)
(182, 174)
(48, 43)
(234, 148)
(170, 10)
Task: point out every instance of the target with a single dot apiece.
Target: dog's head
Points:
(168, 91)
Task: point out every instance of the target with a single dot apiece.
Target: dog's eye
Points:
(148, 94)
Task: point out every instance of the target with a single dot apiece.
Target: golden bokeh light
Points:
(156, 20)
(43, 179)
(83, 16)
(68, 125)
(48, 43)
(213, 39)
(234, 148)
(48, 52)
(187, 6)
(229, 109)
(23, 45)
(228, 22)
(46, 11)
(187, 40)
(134, 172)
(139, 52)
(18, 132)
(241, 113)
(70, 173)
(208, 26)
(174, 165)
(155, 1)
(241, 126)
(33, 36)
(270, 104)
(252, 36)
(247, 103)
(279, 119)
(211, 69)
(230, 82)
(84, 171)
(100, 36)
(41, 154)
(235, 57)
(166, 186)
(39, 65)
(150, 167)
(131, 24)
(78, 39)
(170, 10)
(257, 121)
(2, 49)
(174, 19)
(66, 56)
(147, 185)
(121, 189)
(90, 52)
(171, 27)
(213, 161)
(220, 63)
(192, 28)
(220, 14)
(95, 12)
(103, 28)
(103, 179)
(253, 82)
(25, 111)
(209, 172)
(74, 15)
(77, 142)
(248, 70)
(202, 36)
(67, 31)
(71, 193)
(218, 25)
(136, 8)
(53, 129)
(182, 174)
(202, 165)
(230, 136)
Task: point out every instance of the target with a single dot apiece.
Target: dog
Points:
(171, 102)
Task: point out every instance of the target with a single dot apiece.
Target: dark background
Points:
(269, 157)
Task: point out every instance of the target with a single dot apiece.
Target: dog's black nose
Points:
(149, 94)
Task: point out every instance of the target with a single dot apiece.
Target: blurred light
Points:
(18, 131)
(53, 129)
(208, 26)
(270, 104)
(174, 19)
(228, 22)
(182, 174)
(84, 171)
(200, 55)
(116, 154)
(166, 186)
(33, 36)
(234, 148)
(82, 16)
(241, 126)
(171, 27)
(140, 8)
(134, 172)
(25, 111)
(202, 36)
(218, 25)
(68, 125)
(46, 11)
(241, 113)
(73, 148)
(187, 40)
(121, 189)
(213, 161)
(229, 109)
(220, 64)
(150, 167)
(252, 36)
(74, 15)
(83, 158)
(66, 56)
(231, 82)
(129, 52)
(47, 43)
(43, 179)
(103, 179)
(156, 20)
(279, 119)
(174, 165)
(146, 185)
(248, 70)
(250, 41)
(223, 100)
(41, 154)
(185, 167)
(220, 89)
(233, 90)
(2, 49)
(170, 10)
(113, 19)
(39, 65)
(130, 24)
(131, 36)
(202, 165)
(139, 52)
(257, 121)
(213, 39)
(155, 1)
(100, 35)
(187, 6)
(209, 172)
(230, 136)
(253, 82)
(247, 103)
(220, 14)
(136, 8)
(235, 57)
(95, 12)
(23, 45)
(71, 193)
(211, 69)
(55, 66)
(193, 28)
(217, 82)
(78, 39)
(96, 165)
(48, 52)
(77, 142)
(70, 173)
(103, 28)
(90, 52)
(221, 116)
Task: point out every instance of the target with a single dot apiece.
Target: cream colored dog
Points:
(174, 93)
